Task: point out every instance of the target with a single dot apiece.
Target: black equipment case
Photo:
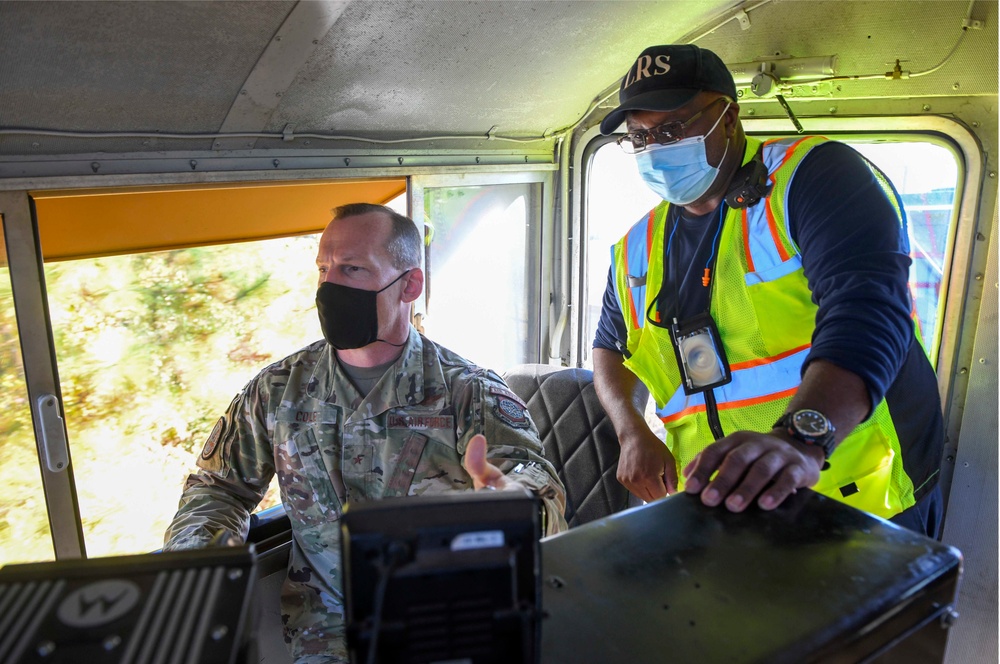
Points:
(813, 581)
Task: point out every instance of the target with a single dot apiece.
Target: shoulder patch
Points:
(511, 412)
(213, 439)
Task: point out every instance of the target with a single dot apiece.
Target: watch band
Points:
(811, 427)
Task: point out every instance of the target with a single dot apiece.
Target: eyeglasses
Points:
(665, 134)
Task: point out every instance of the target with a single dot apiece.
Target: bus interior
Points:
(166, 168)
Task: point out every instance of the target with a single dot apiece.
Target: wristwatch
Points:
(811, 427)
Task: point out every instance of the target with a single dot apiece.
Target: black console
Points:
(452, 577)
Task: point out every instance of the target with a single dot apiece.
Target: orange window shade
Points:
(89, 223)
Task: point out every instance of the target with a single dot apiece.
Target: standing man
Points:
(764, 305)
(375, 410)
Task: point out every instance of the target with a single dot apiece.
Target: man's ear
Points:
(732, 119)
(413, 284)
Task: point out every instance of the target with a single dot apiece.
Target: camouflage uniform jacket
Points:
(304, 420)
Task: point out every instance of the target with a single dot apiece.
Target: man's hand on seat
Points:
(646, 467)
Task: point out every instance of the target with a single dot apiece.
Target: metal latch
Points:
(53, 433)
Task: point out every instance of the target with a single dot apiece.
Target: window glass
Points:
(479, 273)
(616, 198)
(151, 349)
(24, 524)
(924, 173)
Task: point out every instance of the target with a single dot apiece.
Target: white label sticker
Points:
(483, 539)
(98, 603)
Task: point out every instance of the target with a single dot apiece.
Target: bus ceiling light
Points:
(784, 68)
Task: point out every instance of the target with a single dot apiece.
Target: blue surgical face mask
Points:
(680, 172)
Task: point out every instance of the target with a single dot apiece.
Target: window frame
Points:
(40, 371)
(541, 269)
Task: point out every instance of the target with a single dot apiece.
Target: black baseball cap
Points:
(667, 77)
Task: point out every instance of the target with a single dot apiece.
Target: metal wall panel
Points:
(971, 524)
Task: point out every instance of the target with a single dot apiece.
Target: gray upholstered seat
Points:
(577, 437)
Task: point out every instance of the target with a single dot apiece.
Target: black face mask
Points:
(349, 316)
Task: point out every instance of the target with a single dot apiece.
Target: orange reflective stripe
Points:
(639, 270)
(700, 408)
(788, 153)
(631, 302)
(756, 400)
(746, 241)
(756, 362)
(771, 221)
(649, 234)
(649, 247)
(682, 413)
(772, 225)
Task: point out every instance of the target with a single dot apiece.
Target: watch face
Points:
(810, 423)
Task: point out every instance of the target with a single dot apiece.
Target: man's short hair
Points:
(405, 243)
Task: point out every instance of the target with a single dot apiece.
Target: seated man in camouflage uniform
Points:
(374, 410)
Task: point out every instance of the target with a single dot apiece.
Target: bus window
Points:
(24, 524)
(151, 348)
(926, 177)
(924, 173)
(616, 198)
(480, 271)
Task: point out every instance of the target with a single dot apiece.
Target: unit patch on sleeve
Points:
(511, 412)
(213, 439)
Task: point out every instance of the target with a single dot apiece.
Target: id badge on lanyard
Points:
(700, 354)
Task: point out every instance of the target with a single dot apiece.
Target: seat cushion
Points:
(577, 437)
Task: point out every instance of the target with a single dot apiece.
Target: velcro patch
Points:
(511, 412)
(213, 439)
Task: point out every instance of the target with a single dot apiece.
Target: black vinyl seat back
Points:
(577, 437)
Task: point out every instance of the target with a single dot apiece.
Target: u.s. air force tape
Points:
(421, 422)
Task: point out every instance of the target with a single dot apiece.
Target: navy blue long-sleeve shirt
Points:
(854, 255)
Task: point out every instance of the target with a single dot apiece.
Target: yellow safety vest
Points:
(764, 311)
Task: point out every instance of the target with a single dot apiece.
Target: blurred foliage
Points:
(151, 349)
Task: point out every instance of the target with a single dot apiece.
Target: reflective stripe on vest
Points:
(763, 307)
(766, 380)
(638, 243)
(766, 252)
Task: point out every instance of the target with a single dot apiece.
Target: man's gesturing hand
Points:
(484, 474)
